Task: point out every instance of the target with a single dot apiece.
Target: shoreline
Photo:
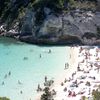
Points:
(72, 58)
(53, 43)
(40, 43)
(62, 88)
(67, 72)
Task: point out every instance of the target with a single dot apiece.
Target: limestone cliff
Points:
(51, 21)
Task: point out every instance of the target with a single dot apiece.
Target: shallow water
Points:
(24, 63)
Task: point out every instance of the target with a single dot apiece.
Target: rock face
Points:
(73, 27)
(98, 5)
(28, 23)
(70, 28)
(75, 24)
(51, 26)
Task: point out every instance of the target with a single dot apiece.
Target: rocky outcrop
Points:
(76, 26)
(27, 23)
(98, 5)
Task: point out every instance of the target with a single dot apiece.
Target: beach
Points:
(24, 66)
(73, 83)
(72, 60)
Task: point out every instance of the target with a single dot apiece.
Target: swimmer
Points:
(66, 65)
(21, 92)
(45, 78)
(3, 83)
(25, 58)
(49, 51)
(19, 82)
(9, 73)
(40, 56)
(5, 76)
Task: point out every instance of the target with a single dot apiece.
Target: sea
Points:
(23, 66)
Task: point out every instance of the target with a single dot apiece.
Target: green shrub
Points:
(47, 94)
(83, 98)
(4, 98)
(96, 94)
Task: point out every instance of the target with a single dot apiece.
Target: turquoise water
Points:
(30, 71)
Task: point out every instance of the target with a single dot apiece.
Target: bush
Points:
(83, 98)
(47, 94)
(96, 94)
(4, 98)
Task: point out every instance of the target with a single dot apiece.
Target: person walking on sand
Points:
(81, 49)
(66, 65)
(69, 93)
(70, 56)
(98, 68)
(39, 88)
(73, 94)
(45, 79)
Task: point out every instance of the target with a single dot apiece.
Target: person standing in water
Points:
(19, 82)
(40, 56)
(9, 73)
(3, 83)
(45, 78)
(66, 65)
(49, 51)
(5, 76)
(21, 92)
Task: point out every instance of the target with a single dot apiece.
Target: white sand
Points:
(66, 73)
(73, 62)
(62, 75)
(75, 59)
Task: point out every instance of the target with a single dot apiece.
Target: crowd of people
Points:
(84, 79)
